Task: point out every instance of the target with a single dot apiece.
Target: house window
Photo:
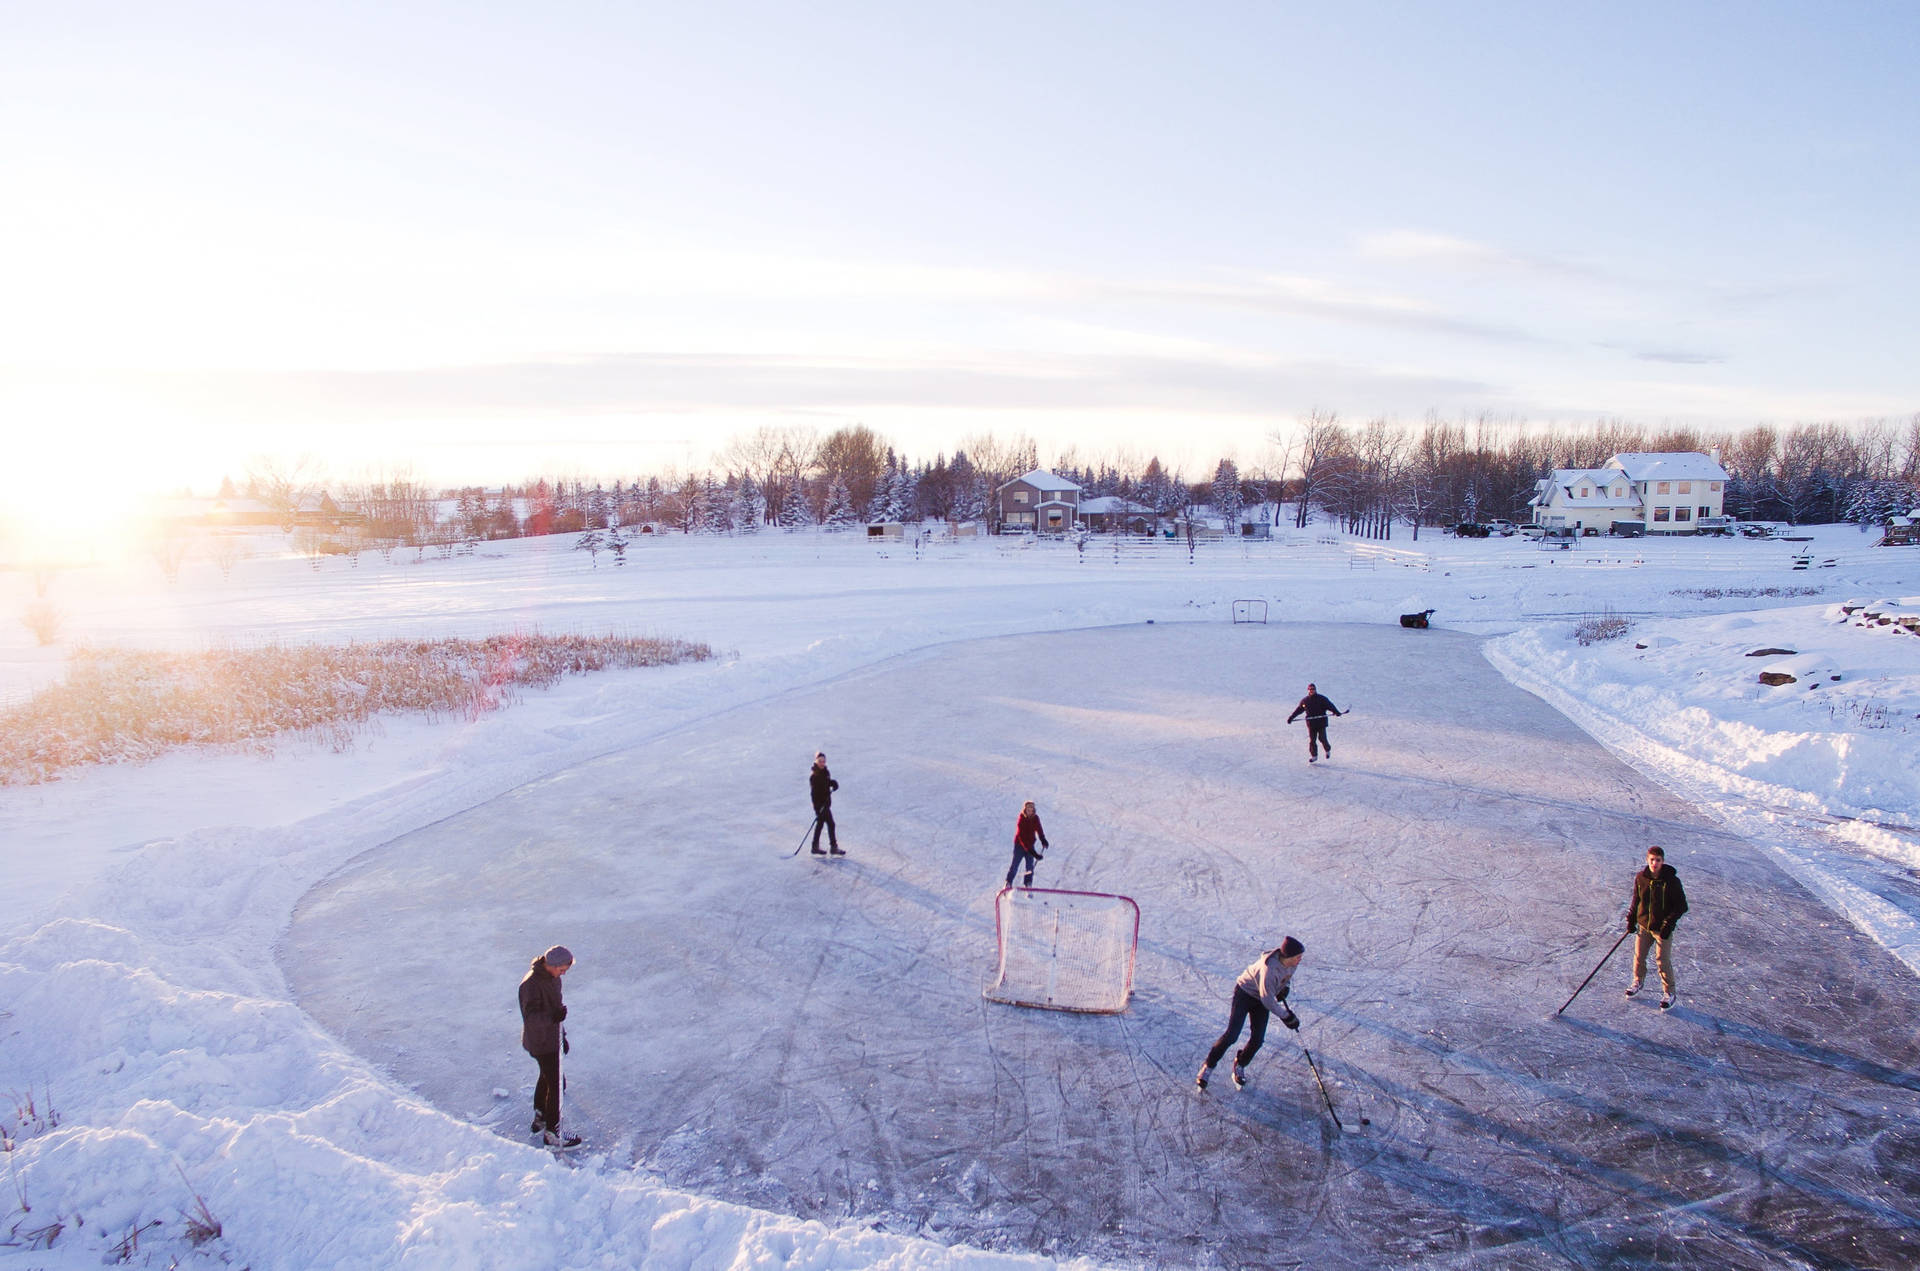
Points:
(1662, 488)
(1686, 487)
(1619, 492)
(1683, 514)
(1585, 491)
(1662, 514)
(1053, 518)
(1713, 486)
(1019, 518)
(1706, 511)
(1021, 496)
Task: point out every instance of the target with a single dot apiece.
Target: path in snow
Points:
(809, 1036)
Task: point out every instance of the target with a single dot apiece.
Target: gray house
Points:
(1038, 501)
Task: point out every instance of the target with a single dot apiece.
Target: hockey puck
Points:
(1364, 1121)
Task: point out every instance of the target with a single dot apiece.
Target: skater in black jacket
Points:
(541, 1014)
(1657, 903)
(821, 784)
(1316, 708)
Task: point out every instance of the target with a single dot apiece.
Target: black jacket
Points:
(822, 784)
(1315, 705)
(541, 1011)
(1658, 900)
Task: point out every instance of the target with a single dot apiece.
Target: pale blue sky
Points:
(479, 240)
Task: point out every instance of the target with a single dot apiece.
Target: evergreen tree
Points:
(1225, 493)
(839, 511)
(795, 511)
(749, 508)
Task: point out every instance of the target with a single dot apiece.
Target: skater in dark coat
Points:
(1316, 708)
(1657, 903)
(821, 784)
(541, 1014)
(1026, 828)
(1260, 991)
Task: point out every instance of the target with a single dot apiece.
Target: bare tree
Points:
(283, 484)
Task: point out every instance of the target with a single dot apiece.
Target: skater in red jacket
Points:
(1025, 830)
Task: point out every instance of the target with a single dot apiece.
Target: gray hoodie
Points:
(1267, 980)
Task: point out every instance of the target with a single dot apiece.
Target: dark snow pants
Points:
(1317, 732)
(1246, 1007)
(1026, 854)
(823, 820)
(546, 1091)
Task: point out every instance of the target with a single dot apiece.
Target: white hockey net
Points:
(1065, 950)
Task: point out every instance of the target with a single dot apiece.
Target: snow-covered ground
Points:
(284, 982)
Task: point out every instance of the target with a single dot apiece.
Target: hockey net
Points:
(1065, 950)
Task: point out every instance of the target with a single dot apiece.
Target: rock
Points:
(1777, 678)
(1772, 653)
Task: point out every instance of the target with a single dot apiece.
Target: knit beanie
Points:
(1291, 948)
(557, 957)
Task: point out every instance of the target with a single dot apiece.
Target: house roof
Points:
(1562, 489)
(1107, 504)
(1669, 466)
(1041, 479)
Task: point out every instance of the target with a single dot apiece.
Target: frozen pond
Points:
(809, 1037)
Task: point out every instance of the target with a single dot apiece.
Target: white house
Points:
(1666, 493)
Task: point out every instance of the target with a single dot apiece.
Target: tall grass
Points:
(129, 705)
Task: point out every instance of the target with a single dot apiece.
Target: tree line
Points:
(1370, 477)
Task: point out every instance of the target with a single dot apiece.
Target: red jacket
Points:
(1025, 829)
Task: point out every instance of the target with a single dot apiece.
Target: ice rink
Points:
(809, 1036)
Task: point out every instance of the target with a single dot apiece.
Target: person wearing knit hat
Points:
(1260, 991)
(542, 1011)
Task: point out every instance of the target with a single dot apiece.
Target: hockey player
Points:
(1026, 828)
(821, 784)
(541, 1014)
(1261, 990)
(1315, 708)
(1655, 906)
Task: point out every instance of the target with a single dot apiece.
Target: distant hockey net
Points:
(1249, 611)
(1065, 950)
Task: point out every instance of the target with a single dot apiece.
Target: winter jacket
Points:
(1025, 829)
(821, 782)
(1267, 980)
(541, 1011)
(1657, 902)
(1315, 706)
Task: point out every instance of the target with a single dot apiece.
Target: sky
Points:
(473, 242)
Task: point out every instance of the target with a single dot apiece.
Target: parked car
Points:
(1468, 529)
(1628, 529)
(1503, 527)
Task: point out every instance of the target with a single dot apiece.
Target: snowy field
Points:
(284, 982)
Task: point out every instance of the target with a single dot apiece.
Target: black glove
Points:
(833, 785)
(1666, 932)
(1046, 845)
(566, 1047)
(1284, 990)
(1629, 925)
(1291, 1021)
(560, 1014)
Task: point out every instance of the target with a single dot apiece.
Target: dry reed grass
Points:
(129, 705)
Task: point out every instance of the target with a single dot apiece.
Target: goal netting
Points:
(1065, 950)
(1249, 611)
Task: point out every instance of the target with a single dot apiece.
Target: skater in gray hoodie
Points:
(1260, 991)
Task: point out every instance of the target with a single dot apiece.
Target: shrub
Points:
(121, 705)
(1594, 628)
(43, 618)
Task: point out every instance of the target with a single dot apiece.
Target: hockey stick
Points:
(1596, 970)
(803, 836)
(1323, 1089)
